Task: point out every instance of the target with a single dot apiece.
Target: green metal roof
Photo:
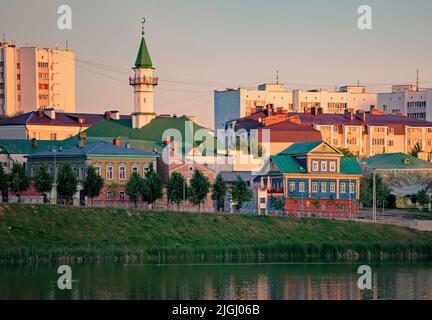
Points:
(287, 164)
(23, 146)
(396, 161)
(143, 59)
(349, 165)
(301, 148)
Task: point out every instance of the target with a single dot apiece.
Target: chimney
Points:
(349, 114)
(114, 115)
(117, 142)
(127, 145)
(50, 113)
(34, 143)
(82, 139)
(107, 115)
(40, 113)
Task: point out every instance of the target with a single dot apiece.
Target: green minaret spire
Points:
(143, 59)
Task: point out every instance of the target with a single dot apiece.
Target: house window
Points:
(333, 166)
(323, 187)
(292, 186)
(33, 171)
(146, 168)
(109, 172)
(110, 195)
(122, 172)
(324, 166)
(302, 187)
(314, 165)
(343, 187)
(352, 187)
(98, 170)
(135, 169)
(53, 136)
(122, 195)
(332, 187)
(314, 187)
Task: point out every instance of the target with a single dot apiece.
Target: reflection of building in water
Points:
(262, 291)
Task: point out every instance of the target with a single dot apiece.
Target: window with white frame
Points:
(314, 165)
(352, 187)
(324, 166)
(109, 172)
(135, 168)
(314, 187)
(292, 187)
(332, 187)
(302, 187)
(323, 187)
(122, 195)
(343, 187)
(146, 168)
(333, 166)
(98, 170)
(122, 172)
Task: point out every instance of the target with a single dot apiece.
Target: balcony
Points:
(143, 81)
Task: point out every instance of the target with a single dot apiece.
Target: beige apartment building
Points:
(36, 78)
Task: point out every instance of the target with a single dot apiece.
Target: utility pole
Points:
(374, 197)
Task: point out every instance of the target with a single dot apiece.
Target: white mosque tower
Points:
(143, 83)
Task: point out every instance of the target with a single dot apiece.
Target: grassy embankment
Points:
(29, 233)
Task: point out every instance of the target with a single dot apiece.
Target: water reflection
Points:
(209, 282)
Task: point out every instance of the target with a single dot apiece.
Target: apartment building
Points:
(36, 78)
(234, 104)
(365, 134)
(408, 100)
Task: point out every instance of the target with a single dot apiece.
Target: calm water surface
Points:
(108, 280)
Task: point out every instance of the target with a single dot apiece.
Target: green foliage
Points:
(422, 197)
(135, 187)
(416, 149)
(93, 183)
(44, 232)
(18, 180)
(67, 183)
(199, 188)
(153, 187)
(219, 191)
(43, 182)
(346, 152)
(4, 182)
(277, 203)
(176, 189)
(366, 189)
(240, 193)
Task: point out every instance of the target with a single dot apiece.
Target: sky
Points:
(198, 46)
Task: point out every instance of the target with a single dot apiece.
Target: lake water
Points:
(284, 281)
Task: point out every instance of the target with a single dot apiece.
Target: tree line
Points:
(149, 188)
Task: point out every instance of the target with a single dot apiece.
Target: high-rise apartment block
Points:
(36, 78)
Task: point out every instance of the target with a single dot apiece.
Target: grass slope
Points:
(47, 232)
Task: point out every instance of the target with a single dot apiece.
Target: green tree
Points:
(346, 152)
(423, 197)
(4, 183)
(219, 191)
(277, 203)
(153, 188)
(199, 188)
(135, 187)
(93, 184)
(176, 189)
(18, 180)
(67, 183)
(43, 183)
(366, 189)
(416, 149)
(240, 193)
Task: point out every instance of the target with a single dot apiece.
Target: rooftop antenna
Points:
(67, 45)
(277, 76)
(417, 82)
(4, 37)
(358, 83)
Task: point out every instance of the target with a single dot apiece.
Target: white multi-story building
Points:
(238, 103)
(36, 78)
(408, 100)
(234, 104)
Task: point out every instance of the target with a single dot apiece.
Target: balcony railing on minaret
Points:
(143, 80)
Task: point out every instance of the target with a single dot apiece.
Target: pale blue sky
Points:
(201, 45)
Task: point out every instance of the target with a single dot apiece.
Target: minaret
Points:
(143, 83)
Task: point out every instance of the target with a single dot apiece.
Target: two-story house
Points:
(312, 178)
